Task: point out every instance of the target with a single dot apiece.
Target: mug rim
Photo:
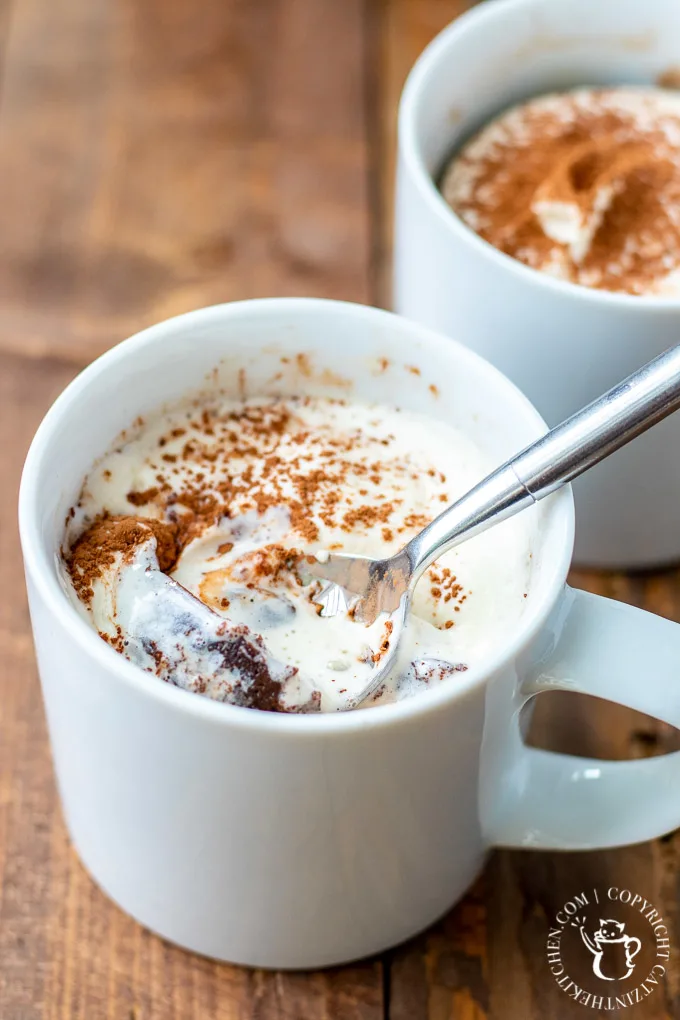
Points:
(43, 574)
(437, 51)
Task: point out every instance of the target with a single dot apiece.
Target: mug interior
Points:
(275, 347)
(502, 53)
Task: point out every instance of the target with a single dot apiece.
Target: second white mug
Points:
(560, 343)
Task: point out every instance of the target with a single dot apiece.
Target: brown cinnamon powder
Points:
(105, 539)
(222, 464)
(611, 156)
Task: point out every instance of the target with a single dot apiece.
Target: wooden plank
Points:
(28, 814)
(487, 958)
(153, 158)
(27, 797)
(157, 157)
(400, 30)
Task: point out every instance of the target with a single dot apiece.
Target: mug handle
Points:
(543, 800)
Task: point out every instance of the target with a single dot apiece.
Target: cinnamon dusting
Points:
(226, 462)
(110, 536)
(606, 160)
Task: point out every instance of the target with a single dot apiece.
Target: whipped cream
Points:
(186, 550)
(583, 185)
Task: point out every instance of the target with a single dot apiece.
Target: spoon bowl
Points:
(360, 585)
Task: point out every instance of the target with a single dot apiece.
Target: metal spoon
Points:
(367, 587)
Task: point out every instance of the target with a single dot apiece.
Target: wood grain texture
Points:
(158, 156)
(153, 158)
(400, 30)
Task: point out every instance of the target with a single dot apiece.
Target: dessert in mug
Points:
(187, 549)
(583, 185)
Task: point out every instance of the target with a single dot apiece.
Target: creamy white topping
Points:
(283, 480)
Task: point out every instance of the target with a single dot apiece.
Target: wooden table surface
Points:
(159, 155)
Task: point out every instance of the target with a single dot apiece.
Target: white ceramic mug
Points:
(562, 344)
(303, 841)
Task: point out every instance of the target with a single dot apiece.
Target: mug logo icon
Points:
(607, 948)
(603, 943)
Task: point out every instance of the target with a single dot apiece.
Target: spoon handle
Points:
(563, 453)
